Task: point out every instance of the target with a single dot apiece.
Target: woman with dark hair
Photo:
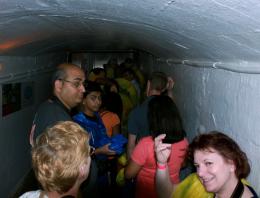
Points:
(163, 117)
(111, 86)
(110, 112)
(220, 164)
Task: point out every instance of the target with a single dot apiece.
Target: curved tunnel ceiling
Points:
(214, 30)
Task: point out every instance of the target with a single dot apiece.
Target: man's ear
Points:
(148, 88)
(57, 85)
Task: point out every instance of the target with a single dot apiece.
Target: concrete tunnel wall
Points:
(14, 128)
(220, 33)
(214, 99)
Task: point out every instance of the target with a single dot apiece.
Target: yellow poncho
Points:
(191, 187)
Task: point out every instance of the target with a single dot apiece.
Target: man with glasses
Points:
(68, 88)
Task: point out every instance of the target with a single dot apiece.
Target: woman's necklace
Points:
(238, 191)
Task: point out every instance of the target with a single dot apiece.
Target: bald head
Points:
(67, 84)
(67, 65)
(62, 71)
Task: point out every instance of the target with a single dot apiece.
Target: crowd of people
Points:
(92, 119)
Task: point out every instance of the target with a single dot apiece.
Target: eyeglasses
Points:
(76, 84)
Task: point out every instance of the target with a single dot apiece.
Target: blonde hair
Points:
(58, 155)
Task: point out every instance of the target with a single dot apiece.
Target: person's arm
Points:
(130, 144)
(163, 182)
(133, 128)
(164, 186)
(104, 150)
(116, 129)
(132, 169)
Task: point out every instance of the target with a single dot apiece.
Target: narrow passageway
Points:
(210, 49)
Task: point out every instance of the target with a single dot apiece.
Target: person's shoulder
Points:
(79, 116)
(184, 142)
(31, 194)
(51, 109)
(191, 186)
(44, 104)
(146, 140)
(109, 115)
(134, 112)
(139, 108)
(47, 105)
(143, 107)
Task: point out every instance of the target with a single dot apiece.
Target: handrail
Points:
(240, 67)
(25, 74)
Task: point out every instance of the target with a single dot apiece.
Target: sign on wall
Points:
(16, 96)
(27, 95)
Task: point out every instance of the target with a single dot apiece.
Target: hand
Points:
(162, 150)
(105, 150)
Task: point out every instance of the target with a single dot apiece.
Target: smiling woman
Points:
(220, 164)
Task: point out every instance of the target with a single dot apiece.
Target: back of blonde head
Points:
(58, 154)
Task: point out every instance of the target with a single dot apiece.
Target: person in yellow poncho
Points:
(220, 164)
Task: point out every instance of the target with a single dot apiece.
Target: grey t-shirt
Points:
(138, 120)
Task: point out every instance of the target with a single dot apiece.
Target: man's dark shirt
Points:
(49, 113)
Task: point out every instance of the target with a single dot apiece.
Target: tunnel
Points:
(210, 48)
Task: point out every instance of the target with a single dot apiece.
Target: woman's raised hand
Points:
(162, 151)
